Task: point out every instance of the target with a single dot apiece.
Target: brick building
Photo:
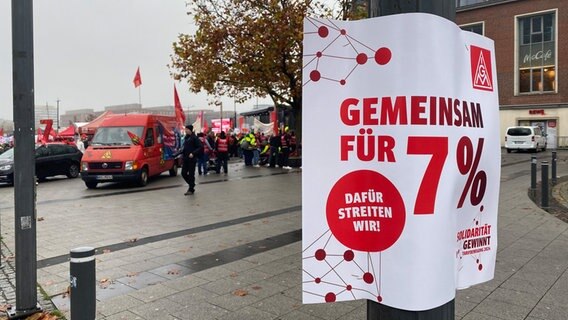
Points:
(531, 49)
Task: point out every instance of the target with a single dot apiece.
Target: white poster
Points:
(401, 160)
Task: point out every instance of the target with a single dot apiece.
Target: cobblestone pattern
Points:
(8, 282)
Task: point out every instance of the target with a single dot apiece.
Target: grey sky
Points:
(86, 53)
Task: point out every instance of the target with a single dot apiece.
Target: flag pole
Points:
(140, 95)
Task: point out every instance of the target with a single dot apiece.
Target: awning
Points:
(92, 126)
(68, 132)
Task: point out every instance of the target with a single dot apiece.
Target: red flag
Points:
(205, 127)
(1, 132)
(135, 139)
(137, 78)
(180, 116)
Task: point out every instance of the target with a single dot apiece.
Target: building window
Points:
(474, 27)
(463, 3)
(537, 58)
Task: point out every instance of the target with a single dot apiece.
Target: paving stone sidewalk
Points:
(531, 278)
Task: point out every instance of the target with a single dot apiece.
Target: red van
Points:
(131, 147)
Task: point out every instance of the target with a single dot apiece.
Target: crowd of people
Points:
(212, 151)
(257, 149)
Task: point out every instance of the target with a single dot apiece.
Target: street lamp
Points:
(58, 115)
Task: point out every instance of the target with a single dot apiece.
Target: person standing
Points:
(274, 142)
(203, 161)
(285, 148)
(247, 146)
(222, 149)
(192, 149)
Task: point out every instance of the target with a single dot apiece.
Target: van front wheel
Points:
(143, 178)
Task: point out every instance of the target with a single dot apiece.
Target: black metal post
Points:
(533, 175)
(446, 9)
(24, 161)
(58, 115)
(553, 168)
(544, 185)
(83, 283)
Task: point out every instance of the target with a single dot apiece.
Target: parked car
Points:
(525, 138)
(51, 159)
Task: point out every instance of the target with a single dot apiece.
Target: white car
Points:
(525, 138)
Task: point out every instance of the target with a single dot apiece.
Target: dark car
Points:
(52, 159)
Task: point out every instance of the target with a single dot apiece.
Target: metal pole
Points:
(58, 115)
(544, 185)
(446, 9)
(24, 161)
(533, 175)
(83, 283)
(553, 168)
(235, 113)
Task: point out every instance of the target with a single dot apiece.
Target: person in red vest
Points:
(222, 148)
(204, 157)
(233, 145)
(293, 144)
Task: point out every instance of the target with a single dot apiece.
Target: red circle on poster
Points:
(552, 123)
(365, 211)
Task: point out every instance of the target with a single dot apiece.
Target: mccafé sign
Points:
(536, 55)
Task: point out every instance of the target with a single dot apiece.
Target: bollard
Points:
(553, 168)
(82, 282)
(544, 185)
(533, 175)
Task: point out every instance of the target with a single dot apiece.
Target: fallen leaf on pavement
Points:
(173, 271)
(256, 287)
(132, 240)
(104, 283)
(234, 275)
(132, 274)
(40, 218)
(42, 316)
(240, 293)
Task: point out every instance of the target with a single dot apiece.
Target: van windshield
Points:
(116, 136)
(519, 132)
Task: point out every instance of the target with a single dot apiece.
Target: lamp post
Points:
(446, 9)
(24, 170)
(58, 115)
(234, 113)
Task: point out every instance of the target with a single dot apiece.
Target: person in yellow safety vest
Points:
(248, 144)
